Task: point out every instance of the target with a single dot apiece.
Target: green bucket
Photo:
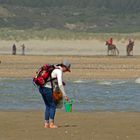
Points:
(68, 105)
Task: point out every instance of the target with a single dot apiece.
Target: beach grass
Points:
(53, 34)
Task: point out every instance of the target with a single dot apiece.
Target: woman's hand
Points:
(66, 98)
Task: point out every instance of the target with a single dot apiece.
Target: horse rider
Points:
(110, 41)
(130, 41)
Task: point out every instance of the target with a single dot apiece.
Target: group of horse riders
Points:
(114, 50)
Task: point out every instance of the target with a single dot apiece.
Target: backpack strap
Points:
(52, 79)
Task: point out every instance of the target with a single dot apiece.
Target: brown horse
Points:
(114, 50)
(129, 48)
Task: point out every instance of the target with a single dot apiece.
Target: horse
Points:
(129, 48)
(114, 50)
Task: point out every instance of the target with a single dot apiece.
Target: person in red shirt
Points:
(110, 41)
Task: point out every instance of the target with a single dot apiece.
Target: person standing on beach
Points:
(47, 92)
(23, 49)
(14, 49)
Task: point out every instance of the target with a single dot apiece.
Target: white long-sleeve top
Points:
(58, 74)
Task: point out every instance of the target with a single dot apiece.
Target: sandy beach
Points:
(28, 125)
(88, 58)
(83, 67)
(67, 47)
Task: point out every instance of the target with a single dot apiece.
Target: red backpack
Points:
(43, 75)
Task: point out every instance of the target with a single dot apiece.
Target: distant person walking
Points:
(14, 49)
(23, 49)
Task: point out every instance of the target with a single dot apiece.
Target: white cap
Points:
(67, 64)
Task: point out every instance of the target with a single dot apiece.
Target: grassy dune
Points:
(49, 34)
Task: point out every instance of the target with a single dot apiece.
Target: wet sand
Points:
(28, 125)
(83, 67)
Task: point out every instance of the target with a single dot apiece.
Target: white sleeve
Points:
(59, 75)
(62, 90)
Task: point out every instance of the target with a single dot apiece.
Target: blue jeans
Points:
(49, 103)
